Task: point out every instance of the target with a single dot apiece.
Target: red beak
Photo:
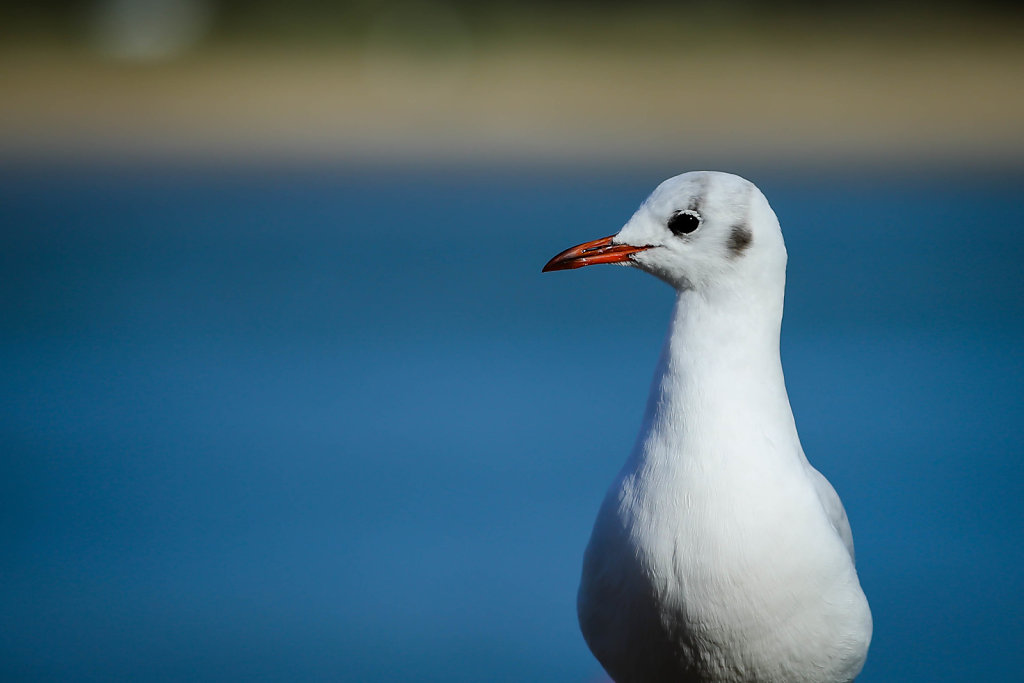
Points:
(592, 253)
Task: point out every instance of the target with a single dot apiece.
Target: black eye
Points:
(684, 222)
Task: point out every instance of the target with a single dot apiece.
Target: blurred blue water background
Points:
(328, 424)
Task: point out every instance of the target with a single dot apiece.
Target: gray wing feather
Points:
(834, 508)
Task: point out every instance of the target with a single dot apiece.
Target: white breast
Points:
(714, 556)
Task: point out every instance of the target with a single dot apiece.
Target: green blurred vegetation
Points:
(558, 80)
(597, 24)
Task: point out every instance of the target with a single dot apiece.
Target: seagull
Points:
(719, 553)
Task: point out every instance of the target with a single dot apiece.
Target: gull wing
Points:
(833, 507)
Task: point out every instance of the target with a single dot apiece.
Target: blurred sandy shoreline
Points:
(820, 104)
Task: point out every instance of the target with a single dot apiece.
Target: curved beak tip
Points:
(556, 264)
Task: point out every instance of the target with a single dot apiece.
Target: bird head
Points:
(696, 231)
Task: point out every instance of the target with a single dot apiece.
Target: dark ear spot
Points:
(739, 239)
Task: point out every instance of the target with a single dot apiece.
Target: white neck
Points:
(719, 386)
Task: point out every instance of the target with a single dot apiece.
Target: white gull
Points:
(719, 552)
